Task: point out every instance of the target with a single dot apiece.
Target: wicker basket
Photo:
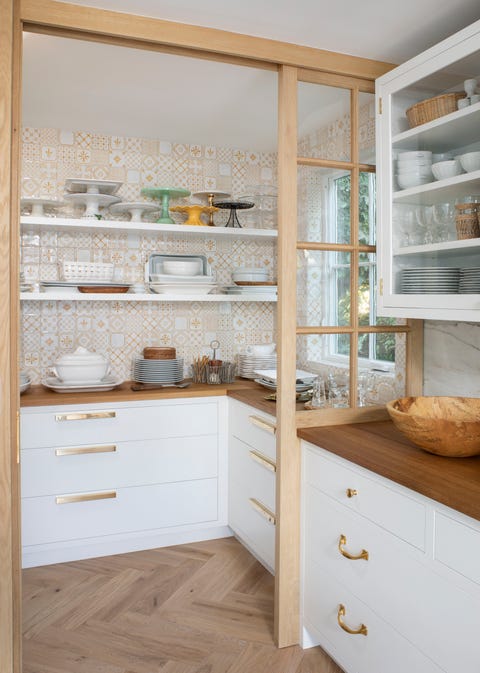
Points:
(432, 108)
(93, 271)
(467, 225)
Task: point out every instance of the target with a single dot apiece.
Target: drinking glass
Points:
(319, 397)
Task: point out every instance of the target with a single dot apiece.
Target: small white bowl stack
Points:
(182, 275)
(414, 169)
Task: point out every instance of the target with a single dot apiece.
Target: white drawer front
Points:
(382, 650)
(90, 467)
(457, 546)
(133, 509)
(253, 471)
(251, 525)
(87, 424)
(401, 515)
(393, 580)
(253, 427)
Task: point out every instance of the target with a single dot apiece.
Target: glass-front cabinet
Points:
(428, 181)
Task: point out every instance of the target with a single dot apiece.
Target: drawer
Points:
(87, 424)
(253, 427)
(249, 520)
(94, 467)
(457, 546)
(393, 579)
(253, 472)
(133, 509)
(403, 516)
(382, 649)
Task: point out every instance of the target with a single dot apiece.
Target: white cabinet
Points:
(251, 480)
(417, 595)
(102, 479)
(426, 263)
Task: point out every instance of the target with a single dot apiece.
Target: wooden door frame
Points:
(69, 20)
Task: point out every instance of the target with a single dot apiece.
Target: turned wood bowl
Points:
(446, 426)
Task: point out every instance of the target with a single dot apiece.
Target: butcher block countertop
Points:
(379, 447)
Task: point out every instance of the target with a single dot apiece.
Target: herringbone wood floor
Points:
(198, 608)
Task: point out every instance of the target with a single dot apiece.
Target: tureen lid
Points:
(80, 356)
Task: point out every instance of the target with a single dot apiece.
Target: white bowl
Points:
(424, 171)
(442, 156)
(260, 349)
(81, 372)
(249, 278)
(412, 165)
(470, 161)
(408, 180)
(182, 267)
(446, 169)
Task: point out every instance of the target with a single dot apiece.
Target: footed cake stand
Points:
(194, 212)
(234, 205)
(165, 194)
(210, 195)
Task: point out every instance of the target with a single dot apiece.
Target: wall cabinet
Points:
(389, 575)
(103, 479)
(426, 262)
(251, 481)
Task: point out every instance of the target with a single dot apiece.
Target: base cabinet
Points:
(416, 596)
(251, 480)
(108, 479)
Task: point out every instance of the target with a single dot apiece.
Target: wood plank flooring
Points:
(199, 608)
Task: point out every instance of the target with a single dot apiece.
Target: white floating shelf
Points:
(92, 226)
(134, 297)
(466, 247)
(440, 191)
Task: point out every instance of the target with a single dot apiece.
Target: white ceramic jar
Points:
(81, 366)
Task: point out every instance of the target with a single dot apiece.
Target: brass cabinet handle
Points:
(351, 492)
(85, 415)
(343, 541)
(263, 424)
(80, 450)
(84, 497)
(261, 509)
(263, 461)
(362, 629)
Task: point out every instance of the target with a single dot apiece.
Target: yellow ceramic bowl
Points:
(446, 426)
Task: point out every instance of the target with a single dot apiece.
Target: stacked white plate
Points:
(414, 168)
(251, 289)
(430, 280)
(25, 382)
(158, 371)
(170, 284)
(469, 281)
(268, 379)
(247, 364)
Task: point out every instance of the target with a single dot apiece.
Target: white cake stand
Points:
(135, 209)
(85, 186)
(38, 205)
(92, 202)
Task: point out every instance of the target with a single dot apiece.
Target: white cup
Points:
(260, 349)
(463, 103)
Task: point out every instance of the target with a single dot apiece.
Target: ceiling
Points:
(75, 85)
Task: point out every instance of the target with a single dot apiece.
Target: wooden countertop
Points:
(379, 447)
(245, 390)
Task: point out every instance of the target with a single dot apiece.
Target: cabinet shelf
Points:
(443, 134)
(440, 191)
(89, 226)
(134, 297)
(446, 250)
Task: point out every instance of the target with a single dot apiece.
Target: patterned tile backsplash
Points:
(122, 329)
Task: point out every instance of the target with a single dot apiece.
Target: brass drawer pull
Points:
(351, 492)
(343, 541)
(85, 415)
(80, 450)
(84, 497)
(261, 509)
(362, 629)
(263, 461)
(263, 424)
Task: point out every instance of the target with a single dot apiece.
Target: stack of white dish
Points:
(430, 280)
(25, 382)
(249, 274)
(270, 290)
(469, 281)
(81, 371)
(92, 194)
(268, 379)
(248, 364)
(414, 168)
(158, 371)
(181, 275)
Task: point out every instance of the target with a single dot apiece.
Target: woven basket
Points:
(93, 271)
(432, 108)
(467, 225)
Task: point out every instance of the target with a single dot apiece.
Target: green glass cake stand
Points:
(165, 194)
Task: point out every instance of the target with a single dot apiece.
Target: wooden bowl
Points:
(446, 426)
(159, 353)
